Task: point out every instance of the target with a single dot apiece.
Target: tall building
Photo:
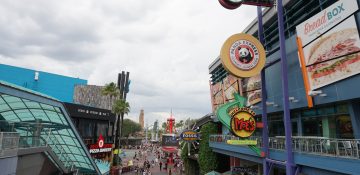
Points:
(141, 118)
(325, 138)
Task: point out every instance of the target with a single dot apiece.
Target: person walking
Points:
(160, 164)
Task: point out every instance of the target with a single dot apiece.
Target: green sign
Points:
(242, 142)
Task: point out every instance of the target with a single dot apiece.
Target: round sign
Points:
(243, 123)
(101, 143)
(243, 55)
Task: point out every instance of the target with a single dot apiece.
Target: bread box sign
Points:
(325, 20)
(189, 136)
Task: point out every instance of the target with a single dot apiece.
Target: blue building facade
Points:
(326, 138)
(58, 86)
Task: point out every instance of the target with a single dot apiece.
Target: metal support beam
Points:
(284, 82)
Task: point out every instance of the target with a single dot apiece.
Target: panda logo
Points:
(245, 56)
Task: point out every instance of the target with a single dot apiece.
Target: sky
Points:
(166, 45)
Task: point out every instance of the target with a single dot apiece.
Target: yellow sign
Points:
(242, 142)
(243, 55)
(242, 122)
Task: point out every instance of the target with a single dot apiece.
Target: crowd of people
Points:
(148, 157)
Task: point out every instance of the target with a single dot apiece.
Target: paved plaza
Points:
(129, 154)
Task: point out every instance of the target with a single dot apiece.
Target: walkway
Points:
(150, 156)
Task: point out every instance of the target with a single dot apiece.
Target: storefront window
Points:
(344, 127)
(86, 128)
(312, 126)
(276, 125)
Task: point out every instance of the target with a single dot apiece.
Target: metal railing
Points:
(323, 146)
(9, 140)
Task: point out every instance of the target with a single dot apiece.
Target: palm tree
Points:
(120, 108)
(110, 90)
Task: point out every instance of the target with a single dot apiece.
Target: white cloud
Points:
(166, 45)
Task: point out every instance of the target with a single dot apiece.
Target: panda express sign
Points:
(243, 55)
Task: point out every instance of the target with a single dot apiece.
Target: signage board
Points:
(243, 55)
(335, 56)
(242, 142)
(100, 146)
(325, 20)
(82, 111)
(169, 140)
(189, 136)
(242, 123)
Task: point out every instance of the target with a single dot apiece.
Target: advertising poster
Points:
(216, 88)
(312, 28)
(218, 98)
(339, 41)
(229, 92)
(334, 56)
(229, 81)
(334, 70)
(253, 97)
(252, 89)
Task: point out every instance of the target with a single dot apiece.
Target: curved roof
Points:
(33, 114)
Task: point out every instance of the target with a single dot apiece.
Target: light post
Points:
(233, 4)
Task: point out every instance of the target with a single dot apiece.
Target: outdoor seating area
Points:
(345, 148)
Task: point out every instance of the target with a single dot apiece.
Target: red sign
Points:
(100, 147)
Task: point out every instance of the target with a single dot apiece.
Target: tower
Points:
(141, 118)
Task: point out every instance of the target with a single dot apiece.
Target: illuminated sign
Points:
(243, 123)
(242, 142)
(243, 55)
(100, 147)
(190, 135)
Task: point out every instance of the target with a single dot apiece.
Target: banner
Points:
(325, 20)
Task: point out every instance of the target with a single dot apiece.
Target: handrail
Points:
(323, 146)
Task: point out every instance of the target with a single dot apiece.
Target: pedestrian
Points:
(160, 164)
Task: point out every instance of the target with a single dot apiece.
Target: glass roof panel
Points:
(39, 114)
(47, 107)
(31, 104)
(25, 115)
(14, 102)
(62, 140)
(10, 116)
(3, 105)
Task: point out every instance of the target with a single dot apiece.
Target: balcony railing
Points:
(345, 148)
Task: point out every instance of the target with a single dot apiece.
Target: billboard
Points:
(325, 20)
(329, 45)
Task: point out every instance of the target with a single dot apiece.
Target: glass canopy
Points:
(49, 123)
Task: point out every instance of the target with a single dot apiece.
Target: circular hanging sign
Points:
(243, 123)
(243, 55)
